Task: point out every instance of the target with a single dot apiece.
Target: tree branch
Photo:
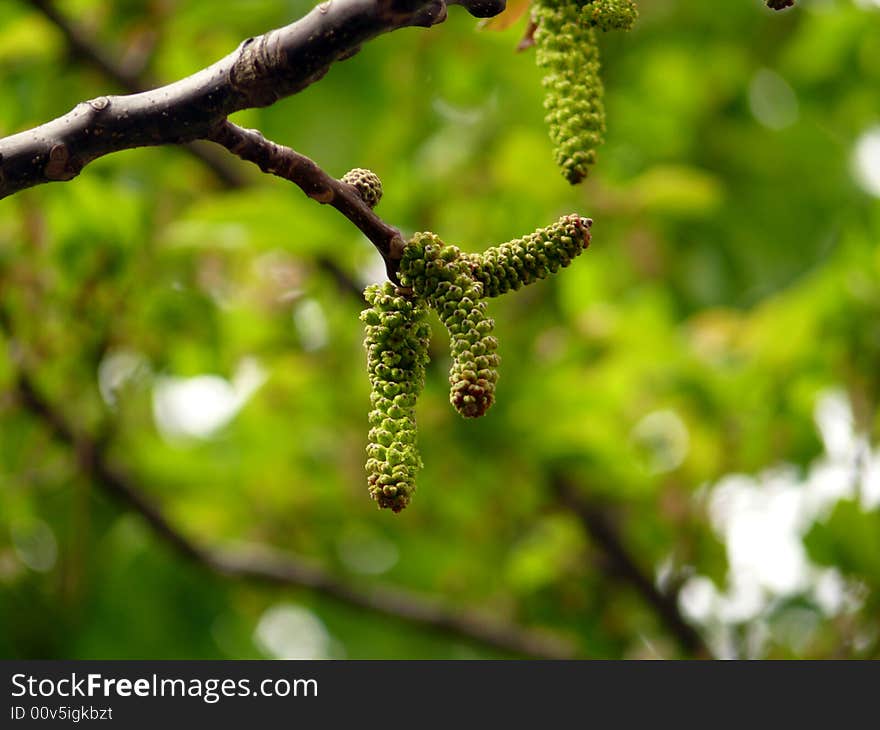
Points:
(82, 46)
(262, 565)
(230, 177)
(258, 73)
(624, 566)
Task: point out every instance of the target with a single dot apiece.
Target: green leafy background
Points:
(706, 375)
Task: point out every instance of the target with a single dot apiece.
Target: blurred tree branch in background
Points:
(624, 566)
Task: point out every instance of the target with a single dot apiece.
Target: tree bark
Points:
(258, 73)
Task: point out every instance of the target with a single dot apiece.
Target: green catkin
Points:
(568, 53)
(367, 183)
(396, 340)
(526, 260)
(442, 276)
(455, 285)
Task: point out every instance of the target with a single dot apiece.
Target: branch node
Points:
(250, 74)
(322, 195)
(61, 165)
(99, 104)
(395, 248)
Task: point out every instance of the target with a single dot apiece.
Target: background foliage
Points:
(706, 374)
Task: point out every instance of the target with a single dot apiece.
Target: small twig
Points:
(625, 566)
(275, 159)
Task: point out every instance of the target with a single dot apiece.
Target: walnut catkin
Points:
(526, 260)
(396, 340)
(567, 51)
(573, 92)
(442, 276)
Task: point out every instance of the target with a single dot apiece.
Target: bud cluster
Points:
(367, 183)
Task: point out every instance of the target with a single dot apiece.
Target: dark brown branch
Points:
(285, 569)
(260, 72)
(481, 8)
(230, 177)
(133, 82)
(624, 566)
(275, 159)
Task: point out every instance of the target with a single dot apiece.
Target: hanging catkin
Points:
(567, 51)
(397, 336)
(442, 276)
(573, 91)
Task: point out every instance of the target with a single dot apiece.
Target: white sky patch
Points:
(759, 522)
(772, 100)
(866, 161)
(762, 521)
(830, 591)
(288, 631)
(200, 406)
(373, 271)
(698, 598)
(835, 422)
(118, 368)
(871, 482)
